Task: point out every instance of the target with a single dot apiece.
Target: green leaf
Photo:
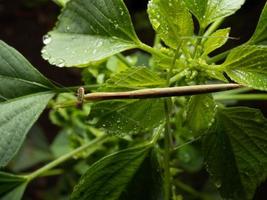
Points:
(33, 152)
(216, 40)
(17, 117)
(120, 168)
(260, 34)
(11, 186)
(147, 181)
(208, 11)
(133, 79)
(15, 194)
(127, 116)
(247, 65)
(88, 32)
(171, 20)
(200, 113)
(236, 152)
(17, 76)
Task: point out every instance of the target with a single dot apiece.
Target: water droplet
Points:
(218, 183)
(60, 63)
(47, 39)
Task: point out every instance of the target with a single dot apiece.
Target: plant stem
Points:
(124, 60)
(188, 189)
(167, 144)
(93, 144)
(75, 88)
(153, 51)
(242, 97)
(212, 28)
(161, 92)
(219, 57)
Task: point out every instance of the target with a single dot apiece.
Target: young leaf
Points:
(216, 40)
(88, 32)
(260, 34)
(17, 117)
(61, 2)
(133, 78)
(109, 177)
(17, 76)
(208, 11)
(171, 20)
(247, 65)
(200, 113)
(11, 186)
(127, 116)
(236, 152)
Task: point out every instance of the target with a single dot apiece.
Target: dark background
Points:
(24, 22)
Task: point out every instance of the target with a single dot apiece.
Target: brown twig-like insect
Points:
(80, 97)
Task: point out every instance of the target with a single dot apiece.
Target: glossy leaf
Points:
(208, 11)
(216, 40)
(108, 178)
(247, 65)
(200, 113)
(88, 32)
(260, 34)
(11, 186)
(171, 20)
(236, 152)
(17, 117)
(127, 116)
(17, 76)
(133, 79)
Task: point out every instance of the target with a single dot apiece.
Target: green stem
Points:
(124, 60)
(75, 88)
(219, 57)
(234, 91)
(93, 144)
(152, 51)
(167, 144)
(188, 189)
(212, 28)
(242, 97)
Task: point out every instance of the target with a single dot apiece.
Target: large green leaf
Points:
(127, 116)
(208, 11)
(171, 20)
(89, 31)
(11, 186)
(200, 113)
(17, 76)
(216, 40)
(17, 117)
(247, 65)
(236, 152)
(108, 178)
(260, 34)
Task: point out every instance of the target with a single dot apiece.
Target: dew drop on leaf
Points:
(47, 39)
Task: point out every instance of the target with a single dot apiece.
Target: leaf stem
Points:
(124, 60)
(167, 144)
(219, 57)
(188, 189)
(152, 51)
(212, 28)
(93, 144)
(242, 97)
